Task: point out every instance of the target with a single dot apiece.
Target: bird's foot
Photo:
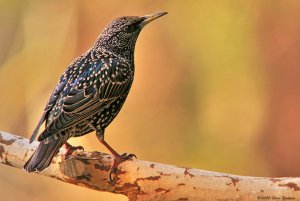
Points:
(117, 161)
(72, 150)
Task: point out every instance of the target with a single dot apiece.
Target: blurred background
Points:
(217, 84)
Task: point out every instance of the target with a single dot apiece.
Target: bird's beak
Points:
(149, 18)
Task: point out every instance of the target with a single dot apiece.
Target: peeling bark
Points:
(142, 180)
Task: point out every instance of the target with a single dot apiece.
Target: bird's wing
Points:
(51, 102)
(101, 84)
(54, 97)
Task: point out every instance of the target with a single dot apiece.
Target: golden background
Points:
(217, 85)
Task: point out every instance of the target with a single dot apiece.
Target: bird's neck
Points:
(121, 48)
(121, 53)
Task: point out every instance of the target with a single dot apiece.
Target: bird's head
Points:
(121, 34)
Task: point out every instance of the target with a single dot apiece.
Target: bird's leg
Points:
(118, 159)
(71, 149)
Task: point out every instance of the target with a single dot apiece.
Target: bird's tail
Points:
(44, 154)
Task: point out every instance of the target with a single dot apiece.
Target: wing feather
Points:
(80, 104)
(52, 100)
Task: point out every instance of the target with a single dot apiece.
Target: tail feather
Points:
(36, 130)
(44, 154)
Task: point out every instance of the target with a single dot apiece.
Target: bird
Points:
(90, 93)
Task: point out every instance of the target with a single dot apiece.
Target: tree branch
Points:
(144, 180)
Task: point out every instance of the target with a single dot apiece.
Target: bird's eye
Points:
(129, 28)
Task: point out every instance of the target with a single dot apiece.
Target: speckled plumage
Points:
(90, 92)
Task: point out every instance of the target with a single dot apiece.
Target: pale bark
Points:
(144, 180)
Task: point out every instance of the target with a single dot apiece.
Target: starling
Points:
(90, 93)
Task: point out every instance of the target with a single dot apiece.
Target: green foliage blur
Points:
(215, 84)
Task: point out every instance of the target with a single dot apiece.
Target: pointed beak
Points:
(149, 18)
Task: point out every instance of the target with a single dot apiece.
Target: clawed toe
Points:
(117, 161)
(127, 156)
(72, 149)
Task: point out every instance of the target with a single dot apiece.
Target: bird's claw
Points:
(117, 161)
(72, 149)
(127, 156)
